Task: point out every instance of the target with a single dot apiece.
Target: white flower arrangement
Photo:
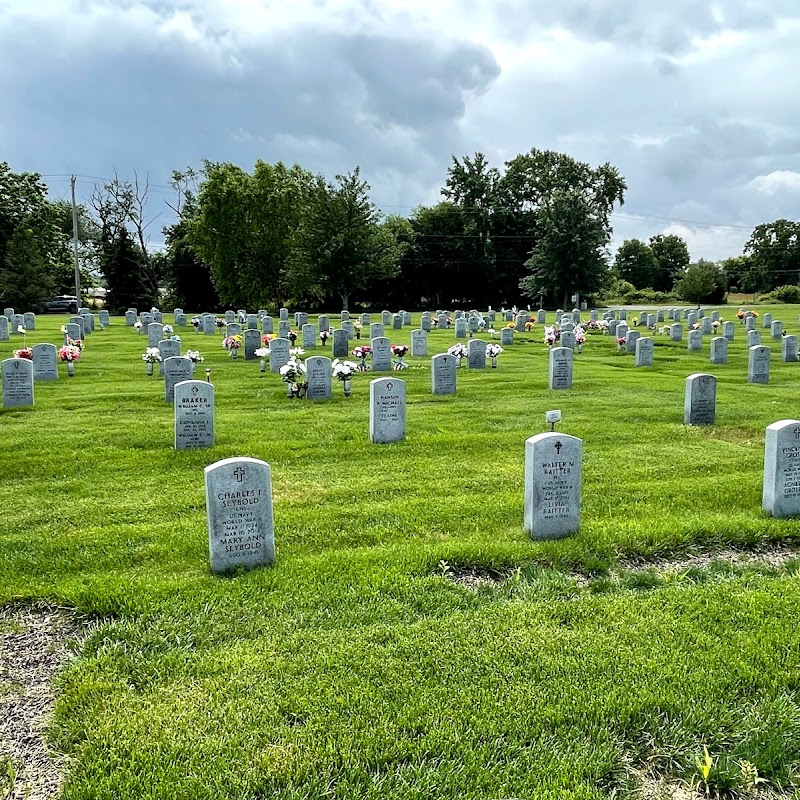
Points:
(194, 356)
(493, 350)
(262, 352)
(168, 330)
(292, 371)
(343, 370)
(151, 355)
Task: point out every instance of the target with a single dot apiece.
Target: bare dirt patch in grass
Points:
(34, 645)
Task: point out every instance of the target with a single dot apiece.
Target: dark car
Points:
(63, 303)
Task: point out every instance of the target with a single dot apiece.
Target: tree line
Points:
(539, 228)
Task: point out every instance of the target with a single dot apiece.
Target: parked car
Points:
(63, 303)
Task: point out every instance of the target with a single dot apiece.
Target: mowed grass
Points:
(354, 667)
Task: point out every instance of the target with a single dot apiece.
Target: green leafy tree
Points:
(702, 282)
(672, 259)
(245, 229)
(123, 268)
(636, 263)
(739, 274)
(25, 279)
(341, 245)
(570, 255)
(774, 255)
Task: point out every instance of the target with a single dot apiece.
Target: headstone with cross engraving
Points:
(443, 374)
(387, 410)
(700, 399)
(719, 350)
(644, 352)
(267, 324)
(318, 375)
(789, 348)
(419, 343)
(781, 487)
(177, 369)
(252, 341)
(552, 485)
(476, 354)
(17, 378)
(278, 354)
(753, 338)
(767, 320)
(194, 415)
(758, 364)
(777, 330)
(560, 368)
(241, 530)
(381, 354)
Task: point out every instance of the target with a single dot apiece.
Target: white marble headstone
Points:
(781, 487)
(17, 378)
(387, 410)
(194, 415)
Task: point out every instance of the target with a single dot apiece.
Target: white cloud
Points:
(778, 181)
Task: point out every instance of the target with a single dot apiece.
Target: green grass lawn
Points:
(355, 667)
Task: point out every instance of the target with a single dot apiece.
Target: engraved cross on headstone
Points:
(239, 473)
(796, 433)
(558, 447)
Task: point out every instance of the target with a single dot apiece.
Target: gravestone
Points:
(241, 531)
(691, 318)
(593, 315)
(180, 320)
(45, 363)
(309, 333)
(4, 329)
(506, 336)
(175, 313)
(233, 329)
(158, 316)
(541, 316)
(406, 315)
(676, 332)
(169, 348)
(758, 364)
(425, 323)
(194, 415)
(719, 350)
(349, 328)
(318, 375)
(17, 322)
(381, 354)
(88, 323)
(324, 323)
(419, 344)
(567, 339)
(644, 352)
(660, 315)
(576, 315)
(700, 399)
(552, 485)
(251, 322)
(750, 323)
(631, 337)
(145, 318)
(695, 344)
(442, 320)
(155, 333)
(130, 319)
(252, 341)
(443, 374)
(283, 328)
(105, 321)
(560, 368)
(789, 348)
(623, 314)
(340, 344)
(176, 370)
(706, 326)
(17, 378)
(776, 330)
(209, 325)
(780, 495)
(473, 323)
(476, 354)
(230, 317)
(29, 321)
(387, 410)
(461, 328)
(345, 316)
(267, 324)
(302, 319)
(375, 330)
(767, 320)
(728, 330)
(613, 326)
(622, 330)
(8, 313)
(73, 331)
(715, 316)
(366, 320)
(279, 353)
(521, 319)
(386, 317)
(651, 320)
(508, 316)
(283, 315)
(753, 338)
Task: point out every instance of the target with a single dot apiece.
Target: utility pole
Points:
(75, 242)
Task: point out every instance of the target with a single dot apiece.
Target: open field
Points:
(360, 664)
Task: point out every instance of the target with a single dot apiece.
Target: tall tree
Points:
(672, 259)
(774, 255)
(341, 245)
(636, 264)
(570, 256)
(123, 269)
(25, 279)
(702, 282)
(245, 229)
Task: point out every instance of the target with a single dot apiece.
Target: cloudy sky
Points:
(695, 102)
